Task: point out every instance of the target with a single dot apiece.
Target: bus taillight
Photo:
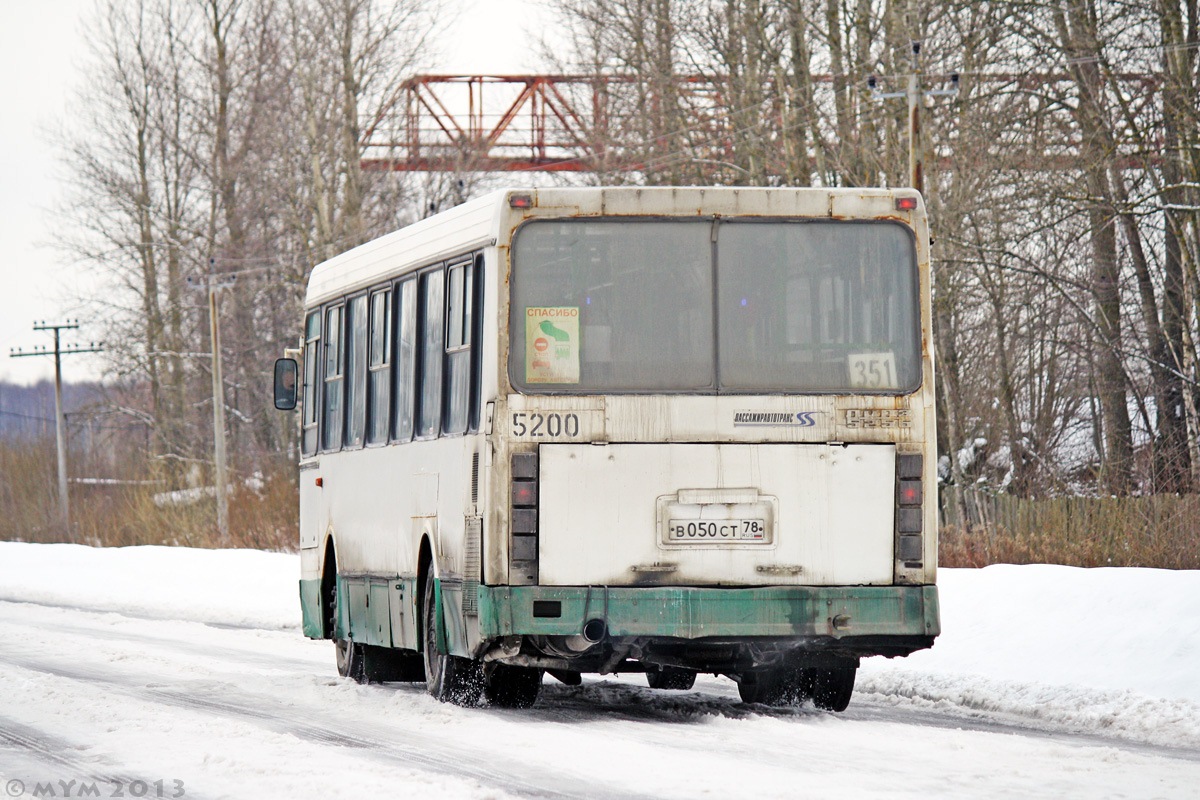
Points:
(524, 516)
(910, 493)
(909, 514)
(524, 494)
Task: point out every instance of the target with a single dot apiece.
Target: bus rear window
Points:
(828, 307)
(602, 306)
(630, 306)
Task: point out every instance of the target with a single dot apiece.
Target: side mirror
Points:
(286, 372)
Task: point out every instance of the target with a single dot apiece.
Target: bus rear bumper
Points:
(881, 619)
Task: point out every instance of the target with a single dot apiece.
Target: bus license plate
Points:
(716, 530)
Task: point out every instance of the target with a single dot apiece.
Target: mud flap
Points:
(451, 635)
(439, 634)
(341, 625)
(310, 610)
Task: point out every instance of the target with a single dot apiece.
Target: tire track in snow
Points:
(431, 756)
(46, 759)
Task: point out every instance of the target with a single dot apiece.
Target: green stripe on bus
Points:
(693, 613)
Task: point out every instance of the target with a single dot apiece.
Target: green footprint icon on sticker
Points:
(562, 339)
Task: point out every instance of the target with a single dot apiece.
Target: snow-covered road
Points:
(183, 674)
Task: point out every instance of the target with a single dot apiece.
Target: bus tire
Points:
(329, 595)
(675, 678)
(566, 677)
(346, 653)
(766, 686)
(513, 687)
(451, 679)
(350, 661)
(780, 686)
(387, 664)
(832, 687)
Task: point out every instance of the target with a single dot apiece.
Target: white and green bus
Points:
(603, 430)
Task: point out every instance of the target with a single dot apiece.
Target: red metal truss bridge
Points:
(504, 123)
(589, 123)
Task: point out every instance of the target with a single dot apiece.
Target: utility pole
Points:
(60, 423)
(212, 283)
(916, 177)
(916, 166)
(916, 99)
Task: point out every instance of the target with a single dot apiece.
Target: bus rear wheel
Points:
(781, 686)
(832, 687)
(367, 663)
(451, 679)
(675, 678)
(387, 664)
(513, 687)
(350, 661)
(767, 686)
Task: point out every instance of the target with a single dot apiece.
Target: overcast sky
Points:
(41, 50)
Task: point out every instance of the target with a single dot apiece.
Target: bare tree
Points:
(135, 199)
(224, 136)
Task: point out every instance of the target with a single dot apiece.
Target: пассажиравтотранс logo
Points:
(799, 419)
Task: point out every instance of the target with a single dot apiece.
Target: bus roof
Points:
(468, 226)
(476, 223)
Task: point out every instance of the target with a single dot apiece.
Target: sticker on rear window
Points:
(552, 344)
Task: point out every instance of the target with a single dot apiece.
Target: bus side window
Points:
(406, 360)
(356, 370)
(379, 376)
(475, 323)
(308, 399)
(459, 296)
(429, 409)
(331, 418)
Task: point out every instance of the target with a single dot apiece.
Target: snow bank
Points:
(1106, 628)
(246, 588)
(1111, 651)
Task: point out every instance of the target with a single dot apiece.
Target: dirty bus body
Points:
(671, 430)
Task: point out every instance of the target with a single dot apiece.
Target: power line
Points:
(24, 416)
(60, 423)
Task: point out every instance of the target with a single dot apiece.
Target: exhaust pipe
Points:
(594, 630)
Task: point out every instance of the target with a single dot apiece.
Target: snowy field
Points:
(169, 672)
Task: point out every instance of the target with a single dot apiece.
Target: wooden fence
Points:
(980, 527)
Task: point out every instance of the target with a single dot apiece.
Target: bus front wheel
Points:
(451, 679)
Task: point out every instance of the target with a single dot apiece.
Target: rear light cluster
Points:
(523, 517)
(909, 511)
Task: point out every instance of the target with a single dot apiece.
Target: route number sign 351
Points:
(872, 370)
